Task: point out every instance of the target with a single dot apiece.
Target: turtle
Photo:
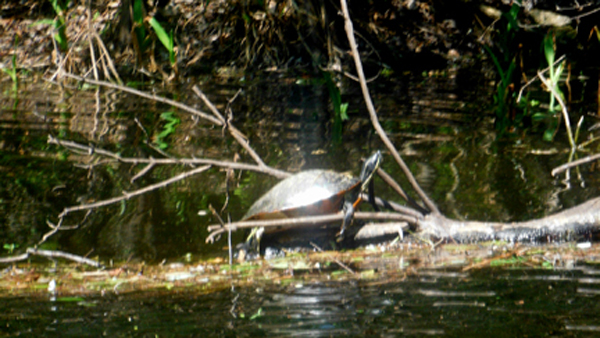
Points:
(310, 193)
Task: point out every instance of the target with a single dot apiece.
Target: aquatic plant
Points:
(505, 60)
(12, 71)
(140, 37)
(59, 23)
(555, 71)
(168, 129)
(340, 109)
(10, 247)
(166, 39)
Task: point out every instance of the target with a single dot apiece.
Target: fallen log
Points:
(579, 220)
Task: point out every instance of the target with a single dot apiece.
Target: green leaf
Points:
(138, 11)
(549, 135)
(257, 314)
(42, 22)
(549, 51)
(539, 116)
(343, 111)
(162, 35)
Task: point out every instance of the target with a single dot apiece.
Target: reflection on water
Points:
(440, 124)
(498, 303)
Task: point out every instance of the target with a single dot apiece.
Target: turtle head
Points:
(369, 168)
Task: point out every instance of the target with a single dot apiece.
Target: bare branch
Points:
(373, 114)
(59, 226)
(128, 195)
(237, 135)
(309, 220)
(394, 185)
(50, 254)
(580, 161)
(89, 150)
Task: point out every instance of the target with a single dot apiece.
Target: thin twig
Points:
(337, 261)
(580, 161)
(229, 246)
(90, 40)
(89, 150)
(59, 226)
(106, 56)
(128, 195)
(374, 120)
(50, 254)
(385, 204)
(239, 137)
(398, 189)
(535, 77)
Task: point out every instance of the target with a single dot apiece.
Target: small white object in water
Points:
(52, 286)
(584, 245)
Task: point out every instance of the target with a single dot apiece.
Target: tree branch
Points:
(371, 108)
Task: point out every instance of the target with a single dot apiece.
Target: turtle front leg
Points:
(348, 214)
(251, 247)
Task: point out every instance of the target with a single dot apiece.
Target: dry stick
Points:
(59, 226)
(239, 137)
(142, 172)
(563, 109)
(396, 187)
(149, 97)
(535, 77)
(337, 261)
(91, 43)
(50, 254)
(374, 120)
(106, 56)
(128, 195)
(393, 206)
(158, 161)
(217, 229)
(63, 60)
(580, 161)
(216, 214)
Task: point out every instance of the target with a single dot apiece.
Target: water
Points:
(438, 302)
(440, 123)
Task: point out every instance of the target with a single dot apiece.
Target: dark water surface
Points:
(441, 123)
(490, 302)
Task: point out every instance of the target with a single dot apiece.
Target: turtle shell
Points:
(311, 192)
